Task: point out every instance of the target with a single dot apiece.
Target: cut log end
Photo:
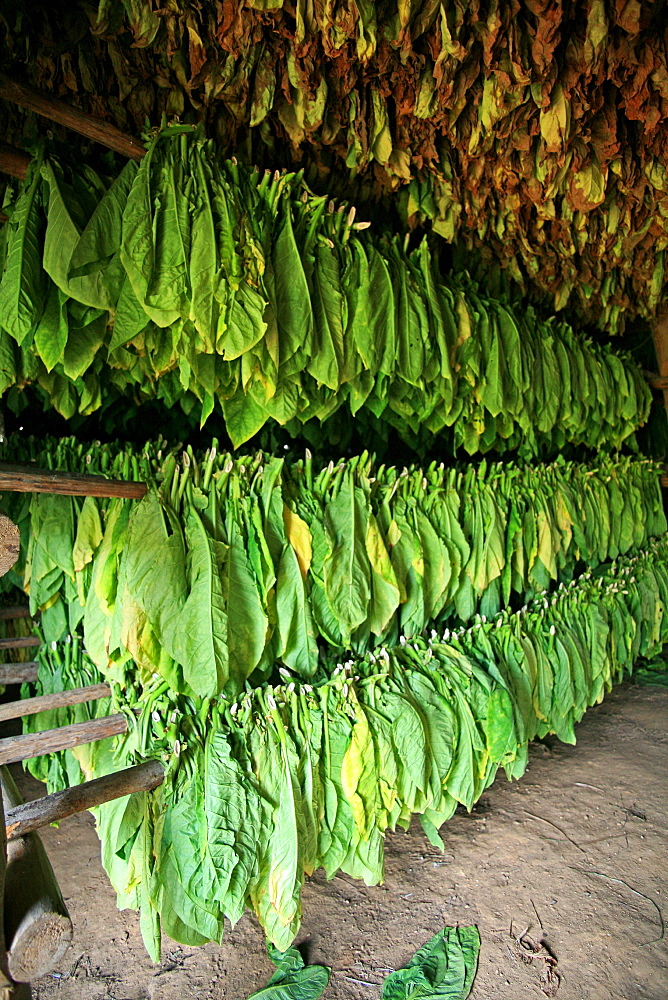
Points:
(37, 926)
(10, 544)
(39, 946)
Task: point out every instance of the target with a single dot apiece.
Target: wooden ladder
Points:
(37, 928)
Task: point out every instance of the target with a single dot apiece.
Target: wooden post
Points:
(23, 479)
(78, 121)
(38, 928)
(660, 337)
(5, 982)
(45, 702)
(18, 673)
(30, 816)
(15, 748)
(8, 990)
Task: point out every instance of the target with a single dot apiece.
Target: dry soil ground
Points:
(565, 873)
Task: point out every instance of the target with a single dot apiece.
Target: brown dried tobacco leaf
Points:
(530, 134)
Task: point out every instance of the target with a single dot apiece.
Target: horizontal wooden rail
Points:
(32, 816)
(46, 702)
(23, 479)
(79, 121)
(664, 479)
(15, 748)
(20, 642)
(18, 673)
(13, 161)
(14, 611)
(656, 381)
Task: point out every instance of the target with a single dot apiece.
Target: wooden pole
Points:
(18, 673)
(14, 611)
(22, 479)
(79, 121)
(20, 642)
(8, 990)
(30, 816)
(38, 928)
(15, 748)
(5, 982)
(13, 161)
(45, 702)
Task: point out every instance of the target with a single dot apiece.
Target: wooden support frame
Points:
(30, 816)
(660, 337)
(23, 479)
(79, 121)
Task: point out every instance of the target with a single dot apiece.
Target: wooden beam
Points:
(79, 121)
(23, 479)
(18, 673)
(656, 381)
(45, 702)
(15, 748)
(13, 161)
(14, 611)
(31, 816)
(20, 642)
(38, 928)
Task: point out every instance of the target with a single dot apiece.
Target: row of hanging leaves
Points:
(230, 568)
(191, 275)
(293, 777)
(532, 134)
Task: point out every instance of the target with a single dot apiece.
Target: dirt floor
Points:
(565, 873)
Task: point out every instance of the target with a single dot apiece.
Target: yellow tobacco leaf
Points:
(299, 537)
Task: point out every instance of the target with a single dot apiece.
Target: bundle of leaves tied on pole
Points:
(189, 278)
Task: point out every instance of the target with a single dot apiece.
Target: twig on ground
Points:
(555, 827)
(620, 881)
(538, 915)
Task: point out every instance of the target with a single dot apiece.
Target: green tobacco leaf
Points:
(23, 287)
(444, 967)
(293, 980)
(347, 574)
(202, 624)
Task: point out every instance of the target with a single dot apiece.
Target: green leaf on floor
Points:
(293, 980)
(444, 967)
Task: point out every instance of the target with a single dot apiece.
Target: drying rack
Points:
(37, 929)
